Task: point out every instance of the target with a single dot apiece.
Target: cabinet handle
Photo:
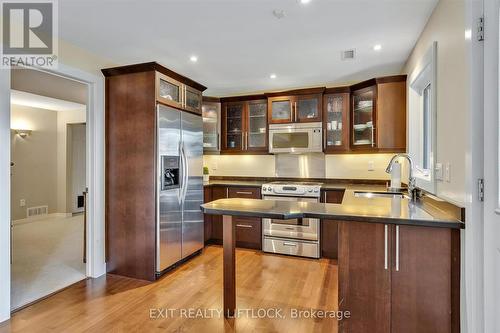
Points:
(386, 264)
(291, 111)
(324, 197)
(246, 140)
(373, 136)
(242, 140)
(289, 244)
(244, 226)
(244, 192)
(227, 192)
(295, 111)
(397, 248)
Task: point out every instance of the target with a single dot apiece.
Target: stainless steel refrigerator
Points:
(179, 228)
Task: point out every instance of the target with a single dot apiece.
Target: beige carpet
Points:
(47, 256)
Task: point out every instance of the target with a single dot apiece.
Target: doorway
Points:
(48, 184)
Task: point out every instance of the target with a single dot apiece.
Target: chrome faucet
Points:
(413, 191)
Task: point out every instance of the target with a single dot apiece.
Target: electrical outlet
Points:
(447, 172)
(438, 171)
(214, 165)
(371, 166)
(22, 202)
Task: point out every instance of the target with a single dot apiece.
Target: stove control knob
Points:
(315, 190)
(269, 188)
(310, 190)
(264, 189)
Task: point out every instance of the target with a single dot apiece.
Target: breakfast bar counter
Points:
(386, 238)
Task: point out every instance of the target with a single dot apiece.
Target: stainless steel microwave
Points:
(296, 138)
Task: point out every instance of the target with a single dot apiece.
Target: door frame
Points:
(491, 222)
(95, 246)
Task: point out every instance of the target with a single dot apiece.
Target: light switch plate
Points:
(214, 165)
(447, 172)
(438, 171)
(371, 166)
(22, 202)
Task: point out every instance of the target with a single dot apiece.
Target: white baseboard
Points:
(40, 217)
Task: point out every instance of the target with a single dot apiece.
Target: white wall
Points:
(63, 119)
(4, 195)
(34, 174)
(447, 26)
(342, 166)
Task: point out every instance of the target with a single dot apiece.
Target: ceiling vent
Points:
(348, 54)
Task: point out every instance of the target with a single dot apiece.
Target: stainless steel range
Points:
(298, 237)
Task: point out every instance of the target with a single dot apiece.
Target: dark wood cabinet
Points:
(399, 278)
(329, 228)
(218, 192)
(364, 278)
(336, 121)
(207, 218)
(244, 127)
(421, 285)
(248, 229)
(295, 108)
(378, 115)
(132, 95)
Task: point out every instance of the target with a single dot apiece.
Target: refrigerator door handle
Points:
(185, 173)
(181, 180)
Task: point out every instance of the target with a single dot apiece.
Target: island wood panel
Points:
(329, 228)
(130, 175)
(422, 287)
(391, 116)
(364, 283)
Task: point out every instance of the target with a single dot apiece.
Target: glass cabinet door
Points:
(168, 91)
(234, 126)
(363, 117)
(256, 135)
(336, 129)
(281, 110)
(210, 113)
(193, 99)
(308, 108)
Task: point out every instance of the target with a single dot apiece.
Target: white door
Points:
(491, 168)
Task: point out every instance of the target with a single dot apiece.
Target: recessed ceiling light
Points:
(272, 76)
(304, 1)
(377, 47)
(193, 58)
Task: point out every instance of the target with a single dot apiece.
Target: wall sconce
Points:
(23, 133)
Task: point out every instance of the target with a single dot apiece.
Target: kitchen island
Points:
(399, 264)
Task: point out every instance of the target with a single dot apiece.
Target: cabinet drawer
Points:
(248, 232)
(244, 192)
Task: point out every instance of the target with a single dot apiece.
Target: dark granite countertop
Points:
(242, 183)
(377, 209)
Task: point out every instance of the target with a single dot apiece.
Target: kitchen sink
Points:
(371, 194)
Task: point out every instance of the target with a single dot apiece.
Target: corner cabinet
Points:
(399, 278)
(211, 125)
(244, 127)
(301, 106)
(171, 92)
(378, 115)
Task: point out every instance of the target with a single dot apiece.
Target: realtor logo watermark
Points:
(29, 33)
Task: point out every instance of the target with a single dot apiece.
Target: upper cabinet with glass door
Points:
(211, 126)
(177, 94)
(244, 126)
(297, 106)
(336, 126)
(363, 118)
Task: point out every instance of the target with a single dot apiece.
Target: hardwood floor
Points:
(263, 281)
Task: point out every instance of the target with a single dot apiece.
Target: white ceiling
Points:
(239, 43)
(43, 102)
